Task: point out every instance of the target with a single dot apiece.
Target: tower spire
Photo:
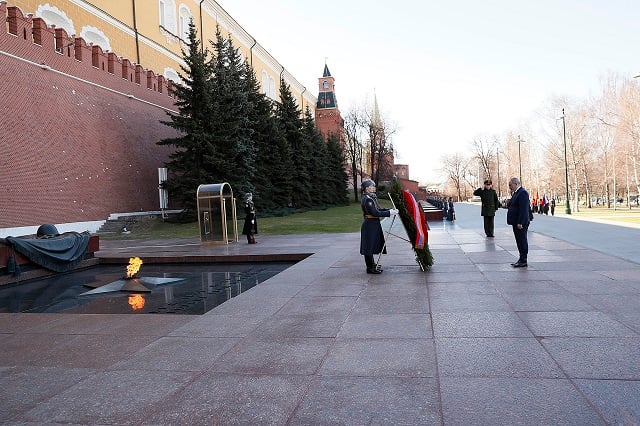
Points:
(376, 111)
(326, 72)
(328, 118)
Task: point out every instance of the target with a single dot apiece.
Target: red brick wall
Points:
(70, 150)
(411, 186)
(329, 121)
(401, 171)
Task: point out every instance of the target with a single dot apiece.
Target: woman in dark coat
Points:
(250, 227)
(371, 235)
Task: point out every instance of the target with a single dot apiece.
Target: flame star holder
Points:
(132, 284)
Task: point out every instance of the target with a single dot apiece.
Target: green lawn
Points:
(332, 220)
(622, 214)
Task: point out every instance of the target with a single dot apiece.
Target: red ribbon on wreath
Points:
(415, 211)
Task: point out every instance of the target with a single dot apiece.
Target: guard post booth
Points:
(217, 214)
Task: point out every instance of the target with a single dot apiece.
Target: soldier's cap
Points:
(366, 183)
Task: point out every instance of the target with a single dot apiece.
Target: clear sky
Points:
(448, 71)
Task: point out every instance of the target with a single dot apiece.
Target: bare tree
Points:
(484, 150)
(455, 167)
(596, 154)
(575, 131)
(354, 148)
(380, 144)
(607, 122)
(601, 138)
(630, 125)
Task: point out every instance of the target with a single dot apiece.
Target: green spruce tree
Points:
(318, 166)
(269, 188)
(290, 123)
(231, 125)
(338, 178)
(186, 165)
(241, 111)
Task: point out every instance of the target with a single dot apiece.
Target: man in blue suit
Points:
(518, 218)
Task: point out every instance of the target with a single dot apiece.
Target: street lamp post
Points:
(498, 166)
(567, 207)
(520, 159)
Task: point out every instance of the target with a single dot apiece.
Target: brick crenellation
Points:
(78, 127)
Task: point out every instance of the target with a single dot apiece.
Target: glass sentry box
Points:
(217, 214)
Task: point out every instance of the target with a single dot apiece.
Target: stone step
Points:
(116, 226)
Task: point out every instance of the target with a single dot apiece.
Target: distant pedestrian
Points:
(552, 203)
(451, 213)
(518, 216)
(541, 206)
(371, 235)
(250, 227)
(545, 202)
(490, 205)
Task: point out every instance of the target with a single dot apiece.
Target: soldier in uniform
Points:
(371, 235)
(250, 227)
(490, 204)
(451, 213)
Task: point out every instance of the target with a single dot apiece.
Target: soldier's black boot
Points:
(371, 266)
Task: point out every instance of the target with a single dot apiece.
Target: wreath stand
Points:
(422, 267)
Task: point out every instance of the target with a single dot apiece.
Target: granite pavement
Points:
(472, 341)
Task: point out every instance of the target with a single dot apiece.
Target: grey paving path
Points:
(617, 240)
(471, 342)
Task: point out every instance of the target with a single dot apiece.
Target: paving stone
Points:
(22, 388)
(494, 357)
(479, 324)
(232, 399)
(281, 356)
(380, 357)
(309, 325)
(514, 401)
(416, 326)
(575, 324)
(114, 397)
(596, 357)
(177, 354)
(473, 302)
(369, 401)
(212, 324)
(617, 400)
(319, 304)
(391, 305)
